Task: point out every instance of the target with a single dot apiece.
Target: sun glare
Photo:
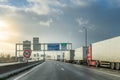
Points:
(8, 31)
(8, 34)
(3, 24)
(4, 30)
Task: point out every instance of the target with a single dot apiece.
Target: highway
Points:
(54, 70)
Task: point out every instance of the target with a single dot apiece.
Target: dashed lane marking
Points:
(62, 69)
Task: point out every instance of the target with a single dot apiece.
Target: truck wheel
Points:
(80, 62)
(88, 63)
(112, 65)
(97, 64)
(117, 67)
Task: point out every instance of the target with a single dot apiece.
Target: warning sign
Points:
(27, 53)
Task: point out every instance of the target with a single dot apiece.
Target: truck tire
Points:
(77, 62)
(97, 64)
(80, 62)
(112, 65)
(117, 66)
(88, 63)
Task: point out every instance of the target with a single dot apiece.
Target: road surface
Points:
(53, 70)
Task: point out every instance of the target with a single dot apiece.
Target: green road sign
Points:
(63, 46)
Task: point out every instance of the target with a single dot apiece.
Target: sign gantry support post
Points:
(44, 51)
(16, 52)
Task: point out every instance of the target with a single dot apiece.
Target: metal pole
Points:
(86, 40)
(71, 46)
(19, 49)
(44, 51)
(63, 56)
(15, 52)
(85, 37)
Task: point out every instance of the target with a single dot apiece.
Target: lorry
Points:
(105, 53)
(58, 58)
(80, 55)
(69, 56)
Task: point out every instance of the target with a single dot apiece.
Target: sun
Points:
(3, 24)
(4, 27)
(8, 31)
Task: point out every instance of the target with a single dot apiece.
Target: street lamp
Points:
(85, 36)
(85, 40)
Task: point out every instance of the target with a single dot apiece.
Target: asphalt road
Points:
(53, 70)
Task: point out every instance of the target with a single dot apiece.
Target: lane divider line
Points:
(62, 69)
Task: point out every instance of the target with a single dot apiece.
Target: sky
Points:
(58, 21)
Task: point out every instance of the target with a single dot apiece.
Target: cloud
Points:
(7, 10)
(114, 3)
(80, 31)
(98, 16)
(7, 7)
(46, 23)
(85, 23)
(39, 7)
(82, 21)
(82, 3)
(44, 7)
(3, 0)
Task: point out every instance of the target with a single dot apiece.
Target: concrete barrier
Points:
(8, 74)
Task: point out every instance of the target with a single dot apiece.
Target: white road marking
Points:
(28, 72)
(62, 69)
(22, 75)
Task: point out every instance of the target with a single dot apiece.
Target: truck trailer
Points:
(58, 58)
(105, 53)
(80, 55)
(69, 56)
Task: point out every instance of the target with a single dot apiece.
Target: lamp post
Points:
(85, 36)
(85, 29)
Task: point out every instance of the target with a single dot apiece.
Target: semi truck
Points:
(69, 56)
(58, 58)
(105, 53)
(80, 55)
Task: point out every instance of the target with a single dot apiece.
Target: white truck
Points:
(80, 55)
(69, 56)
(105, 53)
(58, 57)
